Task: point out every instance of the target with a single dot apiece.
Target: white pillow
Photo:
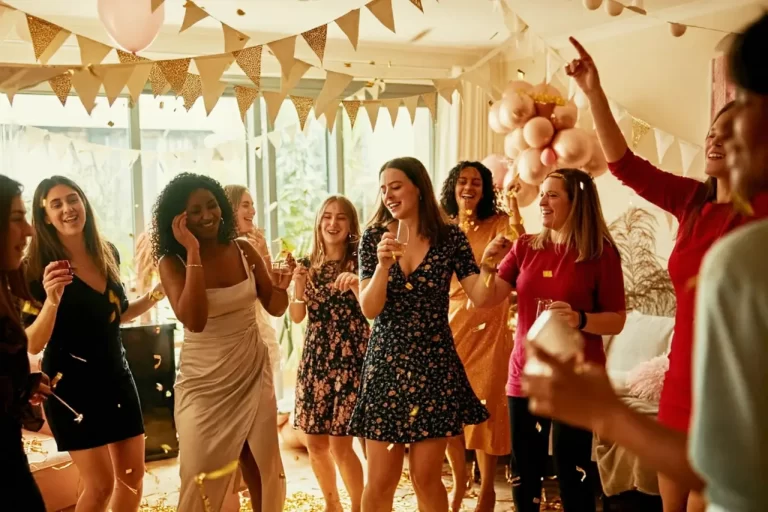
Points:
(643, 338)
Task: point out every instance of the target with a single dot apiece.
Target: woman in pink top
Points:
(573, 262)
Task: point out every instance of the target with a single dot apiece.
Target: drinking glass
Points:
(403, 234)
(542, 305)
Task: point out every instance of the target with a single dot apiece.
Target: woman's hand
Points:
(496, 250)
(346, 281)
(282, 275)
(182, 233)
(564, 311)
(387, 249)
(583, 70)
(56, 276)
(579, 395)
(300, 274)
(42, 392)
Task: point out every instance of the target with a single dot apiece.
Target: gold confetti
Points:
(538, 427)
(414, 411)
(240, 12)
(78, 358)
(165, 448)
(741, 205)
(65, 466)
(583, 473)
(110, 124)
(347, 64)
(389, 448)
(134, 491)
(547, 273)
(28, 308)
(482, 402)
(162, 105)
(168, 394)
(159, 386)
(158, 359)
(488, 279)
(128, 471)
(56, 380)
(213, 475)
(479, 328)
(409, 286)
(691, 283)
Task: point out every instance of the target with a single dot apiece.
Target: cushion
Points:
(646, 379)
(643, 338)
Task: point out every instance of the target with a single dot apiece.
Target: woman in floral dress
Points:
(334, 347)
(414, 388)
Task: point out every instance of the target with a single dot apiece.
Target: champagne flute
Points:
(403, 234)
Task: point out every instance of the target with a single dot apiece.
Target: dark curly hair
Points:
(173, 200)
(486, 207)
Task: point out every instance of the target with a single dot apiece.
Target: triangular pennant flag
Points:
(283, 50)
(553, 63)
(192, 90)
(350, 25)
(430, 99)
(303, 105)
(175, 72)
(192, 15)
(417, 3)
(688, 153)
(245, 98)
(297, 71)
(211, 95)
(233, 39)
(156, 4)
(92, 52)
(382, 9)
(572, 86)
(138, 80)
(410, 103)
(34, 136)
(212, 68)
(274, 101)
(316, 39)
(258, 151)
(59, 143)
(372, 109)
(157, 80)
(445, 88)
(249, 61)
(10, 95)
(86, 86)
(639, 129)
(61, 86)
(393, 106)
(47, 37)
(334, 87)
(7, 21)
(352, 107)
(330, 116)
(276, 138)
(664, 141)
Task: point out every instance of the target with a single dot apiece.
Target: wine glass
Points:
(403, 234)
(542, 305)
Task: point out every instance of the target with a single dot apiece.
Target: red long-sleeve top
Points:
(676, 194)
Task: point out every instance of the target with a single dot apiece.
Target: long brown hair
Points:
(46, 246)
(13, 286)
(317, 251)
(707, 193)
(432, 222)
(585, 228)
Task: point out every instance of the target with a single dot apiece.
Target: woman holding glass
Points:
(572, 267)
(414, 389)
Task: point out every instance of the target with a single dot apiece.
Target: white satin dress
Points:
(225, 396)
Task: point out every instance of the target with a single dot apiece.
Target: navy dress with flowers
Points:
(335, 342)
(85, 347)
(414, 386)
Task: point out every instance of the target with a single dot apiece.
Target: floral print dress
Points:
(331, 363)
(414, 385)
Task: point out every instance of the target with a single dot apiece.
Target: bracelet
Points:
(194, 265)
(298, 302)
(582, 320)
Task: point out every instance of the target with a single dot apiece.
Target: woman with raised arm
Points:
(726, 453)
(328, 380)
(483, 338)
(18, 387)
(414, 389)
(75, 275)
(225, 399)
(705, 213)
(572, 264)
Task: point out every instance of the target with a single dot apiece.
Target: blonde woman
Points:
(327, 290)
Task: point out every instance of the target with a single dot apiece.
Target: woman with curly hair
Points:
(225, 398)
(483, 340)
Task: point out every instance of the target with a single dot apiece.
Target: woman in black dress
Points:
(75, 275)
(18, 490)
(334, 347)
(414, 388)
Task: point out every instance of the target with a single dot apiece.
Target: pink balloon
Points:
(131, 23)
(564, 117)
(544, 96)
(573, 147)
(514, 143)
(515, 110)
(529, 167)
(498, 167)
(538, 132)
(597, 165)
(548, 157)
(516, 86)
(493, 119)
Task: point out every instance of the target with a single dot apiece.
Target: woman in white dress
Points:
(225, 399)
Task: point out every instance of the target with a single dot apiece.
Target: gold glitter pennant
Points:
(157, 79)
(547, 273)
(430, 99)
(192, 90)
(303, 105)
(418, 5)
(639, 129)
(245, 98)
(43, 34)
(316, 39)
(352, 107)
(175, 72)
(61, 86)
(249, 61)
(129, 58)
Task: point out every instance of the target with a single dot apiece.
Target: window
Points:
(40, 138)
(174, 141)
(366, 150)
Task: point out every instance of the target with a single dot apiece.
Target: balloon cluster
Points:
(540, 131)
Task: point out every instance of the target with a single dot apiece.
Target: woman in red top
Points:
(573, 262)
(705, 214)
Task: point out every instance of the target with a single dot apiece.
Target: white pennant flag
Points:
(276, 138)
(688, 153)
(671, 219)
(553, 63)
(59, 144)
(572, 87)
(34, 136)
(664, 141)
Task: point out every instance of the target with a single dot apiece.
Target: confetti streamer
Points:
(158, 359)
(479, 328)
(78, 358)
(213, 475)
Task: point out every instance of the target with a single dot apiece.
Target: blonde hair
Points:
(317, 251)
(584, 228)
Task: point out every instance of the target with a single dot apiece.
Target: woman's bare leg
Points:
(385, 466)
(457, 457)
(487, 499)
(425, 463)
(320, 458)
(350, 468)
